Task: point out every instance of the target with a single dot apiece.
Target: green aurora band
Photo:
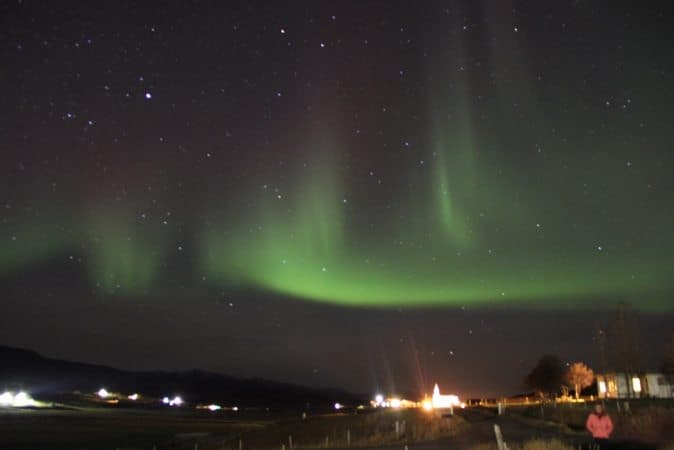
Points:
(474, 234)
(304, 252)
(314, 248)
(470, 227)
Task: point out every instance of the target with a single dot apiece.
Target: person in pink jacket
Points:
(600, 425)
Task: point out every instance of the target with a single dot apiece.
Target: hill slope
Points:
(26, 369)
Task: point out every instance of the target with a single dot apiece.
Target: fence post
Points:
(327, 442)
(240, 444)
(348, 438)
(290, 442)
(499, 438)
(397, 429)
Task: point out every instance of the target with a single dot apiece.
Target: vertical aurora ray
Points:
(452, 175)
(297, 237)
(122, 259)
(454, 178)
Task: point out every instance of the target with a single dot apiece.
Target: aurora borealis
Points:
(450, 155)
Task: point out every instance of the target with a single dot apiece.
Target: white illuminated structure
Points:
(176, 401)
(6, 399)
(133, 397)
(379, 400)
(19, 400)
(440, 401)
(102, 393)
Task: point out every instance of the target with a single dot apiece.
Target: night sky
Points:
(348, 194)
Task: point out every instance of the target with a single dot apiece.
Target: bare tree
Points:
(668, 363)
(547, 377)
(579, 376)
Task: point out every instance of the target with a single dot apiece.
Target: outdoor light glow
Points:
(338, 406)
(6, 399)
(102, 393)
(636, 384)
(236, 408)
(133, 397)
(602, 387)
(177, 401)
(165, 400)
(214, 407)
(22, 399)
(427, 405)
(379, 399)
(395, 402)
(19, 400)
(441, 401)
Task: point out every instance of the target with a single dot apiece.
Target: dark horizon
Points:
(407, 351)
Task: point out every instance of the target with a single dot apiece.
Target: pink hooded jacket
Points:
(600, 426)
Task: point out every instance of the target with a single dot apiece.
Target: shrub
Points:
(540, 444)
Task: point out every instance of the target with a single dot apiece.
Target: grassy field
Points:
(356, 430)
(647, 420)
(115, 428)
(112, 428)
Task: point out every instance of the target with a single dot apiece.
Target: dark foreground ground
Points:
(473, 428)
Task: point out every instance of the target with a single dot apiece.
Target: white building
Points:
(440, 401)
(621, 385)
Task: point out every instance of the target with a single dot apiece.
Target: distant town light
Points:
(177, 401)
(165, 400)
(235, 408)
(22, 399)
(19, 400)
(133, 397)
(636, 384)
(102, 393)
(379, 399)
(214, 407)
(338, 406)
(395, 402)
(427, 405)
(6, 399)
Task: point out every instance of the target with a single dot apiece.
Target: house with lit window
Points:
(646, 385)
